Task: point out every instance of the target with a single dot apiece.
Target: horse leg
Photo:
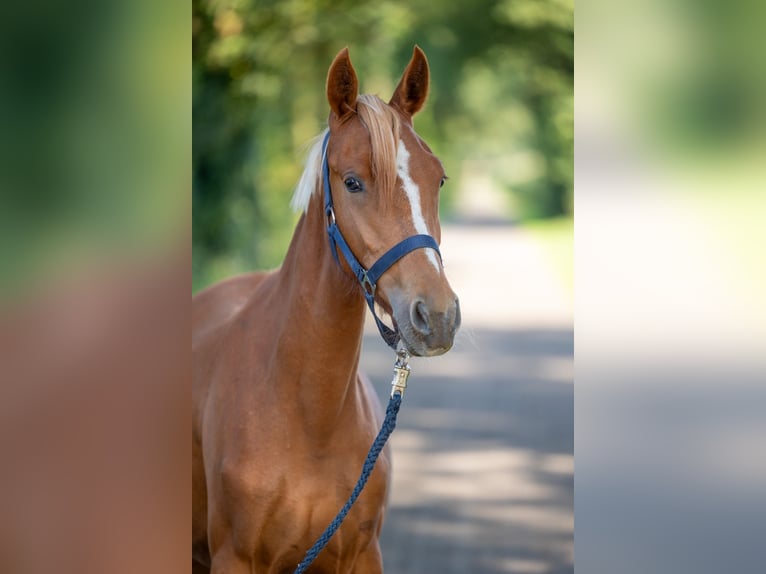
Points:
(227, 554)
(231, 548)
(198, 568)
(370, 561)
(227, 561)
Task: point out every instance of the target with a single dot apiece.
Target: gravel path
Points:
(483, 452)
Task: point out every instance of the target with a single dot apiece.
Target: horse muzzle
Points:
(427, 328)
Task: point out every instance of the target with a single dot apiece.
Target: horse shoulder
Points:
(219, 303)
(213, 311)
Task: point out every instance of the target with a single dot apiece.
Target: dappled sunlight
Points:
(483, 455)
(483, 464)
(435, 419)
(523, 566)
(498, 476)
(557, 369)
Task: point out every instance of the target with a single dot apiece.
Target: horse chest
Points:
(316, 486)
(297, 506)
(292, 484)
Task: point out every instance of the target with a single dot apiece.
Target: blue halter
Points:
(368, 278)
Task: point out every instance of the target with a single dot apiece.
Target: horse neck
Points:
(321, 337)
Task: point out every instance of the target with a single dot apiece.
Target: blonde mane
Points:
(382, 124)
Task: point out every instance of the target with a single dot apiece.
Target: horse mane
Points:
(382, 124)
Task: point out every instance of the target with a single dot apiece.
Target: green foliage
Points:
(94, 109)
(501, 90)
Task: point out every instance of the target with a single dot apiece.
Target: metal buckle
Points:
(330, 214)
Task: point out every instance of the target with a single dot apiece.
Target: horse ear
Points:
(411, 93)
(342, 85)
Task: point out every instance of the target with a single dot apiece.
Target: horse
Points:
(282, 417)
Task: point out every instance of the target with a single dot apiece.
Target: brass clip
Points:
(401, 373)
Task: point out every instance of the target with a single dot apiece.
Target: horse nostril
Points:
(419, 317)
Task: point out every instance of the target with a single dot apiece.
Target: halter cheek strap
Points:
(368, 278)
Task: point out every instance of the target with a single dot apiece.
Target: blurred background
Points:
(95, 266)
(95, 105)
(671, 276)
(483, 452)
(95, 158)
(499, 114)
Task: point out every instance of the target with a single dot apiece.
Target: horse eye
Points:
(353, 185)
(444, 179)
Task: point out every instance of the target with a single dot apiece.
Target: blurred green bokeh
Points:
(501, 97)
(94, 146)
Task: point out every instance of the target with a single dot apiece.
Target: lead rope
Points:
(398, 385)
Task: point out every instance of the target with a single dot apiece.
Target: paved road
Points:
(483, 452)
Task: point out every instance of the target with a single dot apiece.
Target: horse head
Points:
(384, 182)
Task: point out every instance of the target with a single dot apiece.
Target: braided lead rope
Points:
(398, 384)
(369, 464)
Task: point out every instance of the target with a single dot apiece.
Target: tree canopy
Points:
(500, 102)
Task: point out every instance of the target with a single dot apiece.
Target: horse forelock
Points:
(382, 124)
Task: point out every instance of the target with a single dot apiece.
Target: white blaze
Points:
(413, 195)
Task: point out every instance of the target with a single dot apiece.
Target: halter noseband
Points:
(368, 278)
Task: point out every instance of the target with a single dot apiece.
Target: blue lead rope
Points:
(369, 464)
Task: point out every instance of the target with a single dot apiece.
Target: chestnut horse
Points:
(282, 420)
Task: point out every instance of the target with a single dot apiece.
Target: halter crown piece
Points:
(368, 278)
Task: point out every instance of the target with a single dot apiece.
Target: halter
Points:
(368, 278)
